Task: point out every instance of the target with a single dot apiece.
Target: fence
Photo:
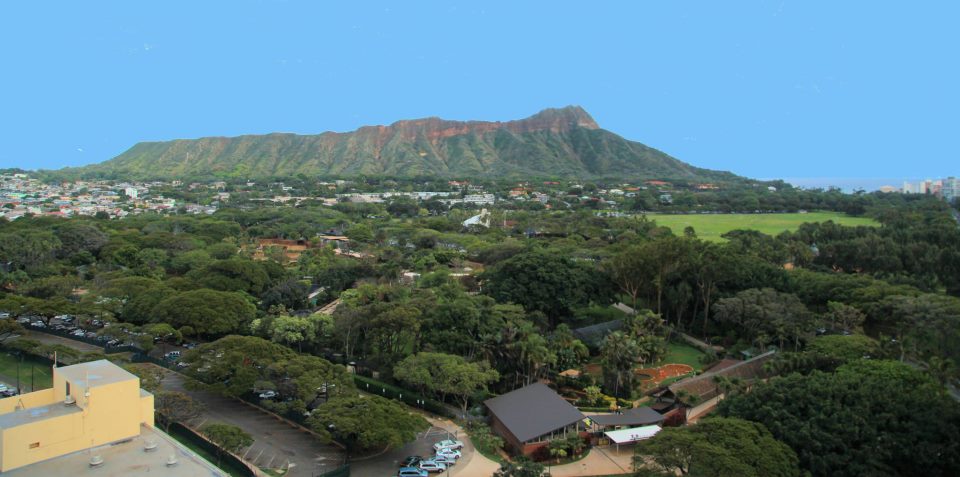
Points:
(91, 341)
(227, 461)
(405, 396)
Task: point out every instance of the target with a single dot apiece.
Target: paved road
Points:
(275, 442)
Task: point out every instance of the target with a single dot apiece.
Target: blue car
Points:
(411, 472)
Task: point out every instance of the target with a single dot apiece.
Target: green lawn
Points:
(679, 353)
(712, 226)
(42, 378)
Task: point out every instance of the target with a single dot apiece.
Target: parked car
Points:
(4, 314)
(181, 364)
(448, 444)
(445, 460)
(411, 461)
(189, 345)
(38, 324)
(268, 395)
(432, 466)
(3, 387)
(449, 452)
(78, 332)
(411, 472)
(172, 355)
(9, 392)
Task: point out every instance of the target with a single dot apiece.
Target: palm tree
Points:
(558, 448)
(618, 354)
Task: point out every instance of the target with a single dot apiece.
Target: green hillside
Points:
(556, 143)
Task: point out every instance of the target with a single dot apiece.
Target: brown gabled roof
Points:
(723, 364)
(704, 387)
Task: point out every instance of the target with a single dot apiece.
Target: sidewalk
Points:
(600, 461)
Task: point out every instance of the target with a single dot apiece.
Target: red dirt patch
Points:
(667, 371)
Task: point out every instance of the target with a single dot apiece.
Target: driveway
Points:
(276, 443)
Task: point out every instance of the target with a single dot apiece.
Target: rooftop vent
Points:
(96, 461)
(69, 401)
(172, 460)
(149, 446)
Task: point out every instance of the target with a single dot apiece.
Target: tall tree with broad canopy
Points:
(446, 374)
(767, 312)
(209, 312)
(546, 282)
(716, 447)
(366, 422)
(175, 406)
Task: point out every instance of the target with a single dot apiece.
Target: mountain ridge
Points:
(555, 142)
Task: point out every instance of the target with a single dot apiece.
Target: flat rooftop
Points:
(37, 413)
(100, 373)
(127, 459)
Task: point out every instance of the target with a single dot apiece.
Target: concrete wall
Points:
(703, 408)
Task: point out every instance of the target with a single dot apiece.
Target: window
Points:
(34, 445)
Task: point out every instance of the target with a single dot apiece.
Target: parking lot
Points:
(388, 463)
(276, 443)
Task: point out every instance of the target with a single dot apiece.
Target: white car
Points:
(449, 452)
(448, 444)
(445, 460)
(432, 466)
(268, 395)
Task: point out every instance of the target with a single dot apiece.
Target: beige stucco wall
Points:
(146, 409)
(110, 413)
(34, 399)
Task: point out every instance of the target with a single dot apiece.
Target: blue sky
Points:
(763, 88)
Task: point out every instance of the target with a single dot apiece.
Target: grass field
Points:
(8, 372)
(678, 353)
(712, 226)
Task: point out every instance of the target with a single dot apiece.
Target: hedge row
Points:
(410, 398)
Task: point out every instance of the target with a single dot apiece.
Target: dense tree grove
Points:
(285, 298)
(869, 417)
(719, 447)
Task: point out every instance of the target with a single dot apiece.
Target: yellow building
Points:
(91, 406)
